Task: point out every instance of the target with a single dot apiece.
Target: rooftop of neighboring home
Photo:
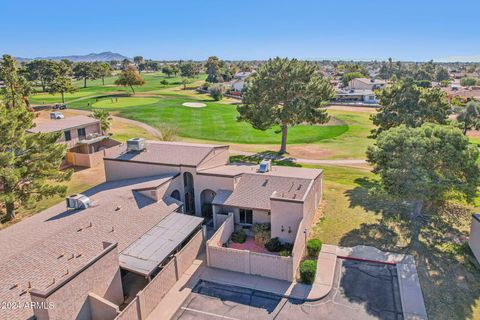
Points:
(50, 125)
(47, 247)
(370, 81)
(355, 92)
(169, 153)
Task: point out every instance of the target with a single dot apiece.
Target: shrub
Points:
(313, 247)
(273, 245)
(168, 132)
(164, 82)
(217, 91)
(285, 253)
(467, 82)
(239, 236)
(262, 233)
(308, 269)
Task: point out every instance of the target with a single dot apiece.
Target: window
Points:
(81, 133)
(68, 135)
(246, 216)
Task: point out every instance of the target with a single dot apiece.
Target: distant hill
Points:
(103, 56)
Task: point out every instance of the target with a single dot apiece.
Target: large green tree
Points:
(16, 88)
(286, 93)
(63, 81)
(130, 77)
(85, 71)
(425, 165)
(214, 69)
(188, 70)
(406, 103)
(43, 71)
(29, 162)
(469, 117)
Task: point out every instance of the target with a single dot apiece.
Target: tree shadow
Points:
(276, 158)
(449, 274)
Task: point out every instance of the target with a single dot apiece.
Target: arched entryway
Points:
(176, 195)
(206, 198)
(189, 193)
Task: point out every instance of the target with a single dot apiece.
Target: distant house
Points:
(360, 96)
(242, 75)
(238, 85)
(366, 84)
(83, 137)
(474, 240)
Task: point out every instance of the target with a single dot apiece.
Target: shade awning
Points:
(145, 254)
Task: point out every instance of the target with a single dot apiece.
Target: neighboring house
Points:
(242, 75)
(237, 85)
(366, 84)
(85, 263)
(463, 93)
(356, 96)
(83, 137)
(474, 240)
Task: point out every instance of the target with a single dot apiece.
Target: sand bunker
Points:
(194, 104)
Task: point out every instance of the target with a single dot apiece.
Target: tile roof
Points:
(62, 124)
(170, 153)
(255, 190)
(56, 241)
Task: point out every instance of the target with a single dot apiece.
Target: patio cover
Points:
(145, 254)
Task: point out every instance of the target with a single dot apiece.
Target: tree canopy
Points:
(130, 77)
(63, 82)
(406, 103)
(286, 93)
(188, 70)
(426, 164)
(469, 117)
(104, 117)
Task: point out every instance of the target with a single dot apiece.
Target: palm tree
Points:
(104, 117)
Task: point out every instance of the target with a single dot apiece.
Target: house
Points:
(366, 84)
(82, 135)
(231, 196)
(356, 96)
(237, 85)
(87, 261)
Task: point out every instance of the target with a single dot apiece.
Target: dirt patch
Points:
(194, 104)
(309, 152)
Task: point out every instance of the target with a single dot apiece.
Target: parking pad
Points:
(361, 290)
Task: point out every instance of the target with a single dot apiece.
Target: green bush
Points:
(285, 253)
(164, 82)
(274, 245)
(262, 233)
(313, 247)
(239, 236)
(217, 91)
(308, 269)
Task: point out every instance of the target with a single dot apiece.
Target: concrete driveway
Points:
(362, 290)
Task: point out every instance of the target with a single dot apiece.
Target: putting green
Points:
(123, 102)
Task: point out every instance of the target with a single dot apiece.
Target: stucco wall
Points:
(120, 170)
(102, 278)
(287, 214)
(189, 253)
(474, 240)
(89, 129)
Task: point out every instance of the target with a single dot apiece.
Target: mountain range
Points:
(102, 56)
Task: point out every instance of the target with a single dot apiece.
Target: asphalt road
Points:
(361, 291)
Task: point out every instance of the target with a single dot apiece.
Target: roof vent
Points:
(78, 201)
(265, 166)
(135, 144)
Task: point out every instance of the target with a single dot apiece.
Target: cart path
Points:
(157, 133)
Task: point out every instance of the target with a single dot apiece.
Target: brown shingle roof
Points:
(40, 249)
(254, 191)
(170, 153)
(62, 124)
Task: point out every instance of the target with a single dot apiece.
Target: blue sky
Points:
(244, 29)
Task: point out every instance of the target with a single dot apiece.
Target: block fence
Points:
(244, 261)
(147, 299)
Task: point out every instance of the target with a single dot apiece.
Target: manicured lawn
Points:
(352, 215)
(215, 122)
